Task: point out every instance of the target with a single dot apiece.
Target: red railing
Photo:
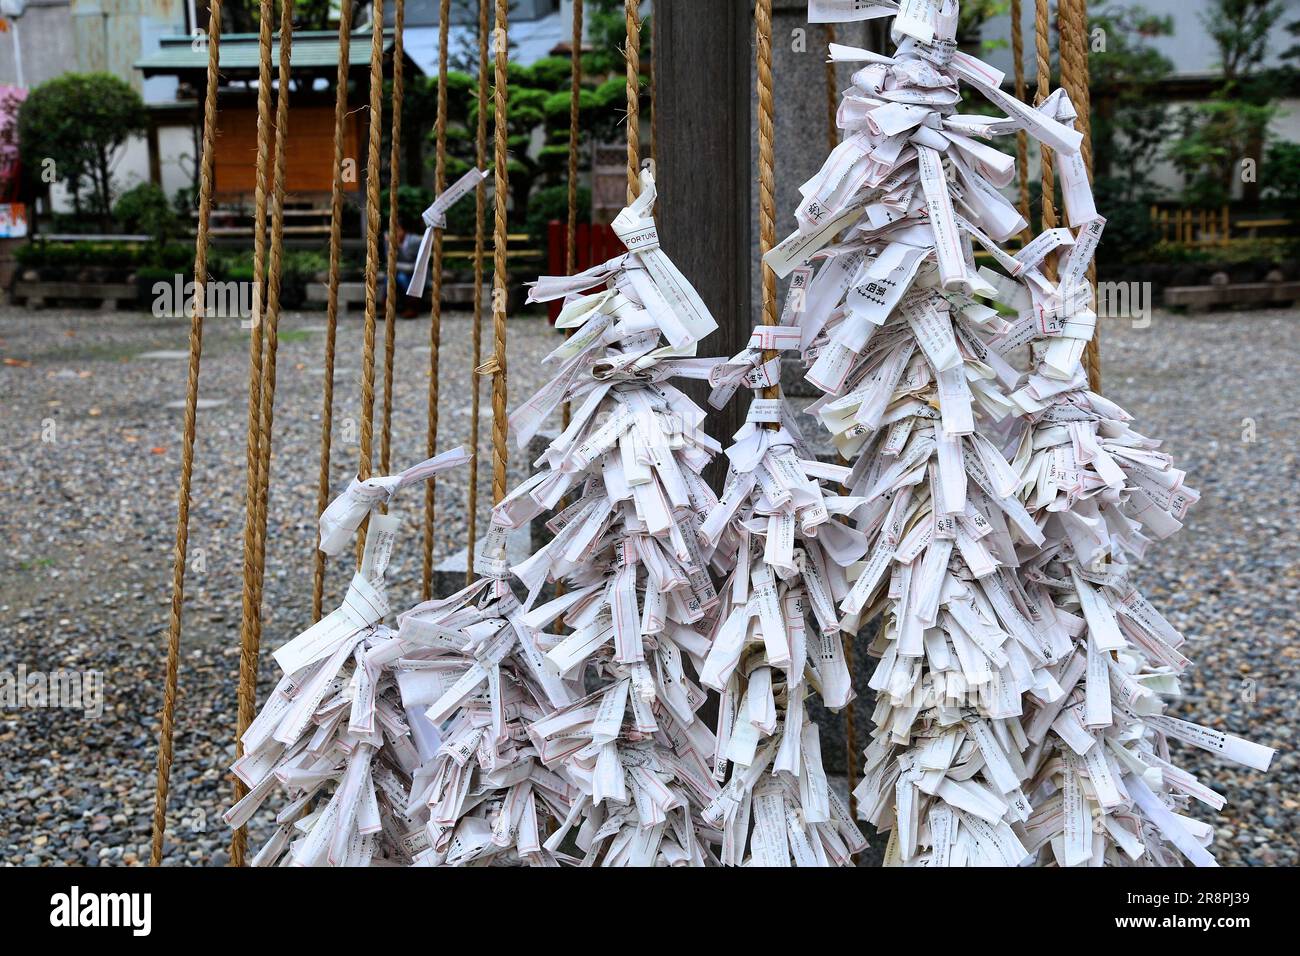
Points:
(596, 243)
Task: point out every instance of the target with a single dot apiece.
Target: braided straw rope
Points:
(766, 175)
(480, 216)
(373, 161)
(332, 309)
(1022, 138)
(264, 136)
(1073, 25)
(435, 311)
(1042, 41)
(1073, 17)
(632, 53)
(255, 550)
(251, 609)
(501, 188)
(391, 294)
(180, 551)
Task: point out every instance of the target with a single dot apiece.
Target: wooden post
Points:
(702, 72)
(155, 160)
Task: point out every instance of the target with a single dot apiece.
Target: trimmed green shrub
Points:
(146, 209)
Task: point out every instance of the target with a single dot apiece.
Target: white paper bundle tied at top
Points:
(777, 642)
(435, 217)
(513, 741)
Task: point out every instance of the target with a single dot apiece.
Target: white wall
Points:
(1190, 48)
(38, 45)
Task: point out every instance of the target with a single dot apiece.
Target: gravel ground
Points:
(1220, 391)
(89, 526)
(88, 466)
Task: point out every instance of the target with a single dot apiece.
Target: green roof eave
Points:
(311, 50)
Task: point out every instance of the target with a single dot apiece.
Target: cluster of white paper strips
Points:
(990, 520)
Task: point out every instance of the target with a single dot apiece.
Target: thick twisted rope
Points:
(501, 188)
(1022, 138)
(632, 54)
(435, 311)
(180, 551)
(766, 156)
(1042, 41)
(250, 609)
(332, 308)
(265, 133)
(373, 162)
(255, 550)
(1073, 17)
(1073, 26)
(766, 175)
(480, 217)
(390, 277)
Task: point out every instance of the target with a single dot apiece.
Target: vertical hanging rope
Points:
(766, 174)
(632, 53)
(1042, 41)
(332, 308)
(480, 216)
(266, 24)
(833, 140)
(1073, 16)
(435, 312)
(373, 161)
(181, 549)
(255, 547)
(1022, 138)
(501, 188)
(250, 609)
(391, 293)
